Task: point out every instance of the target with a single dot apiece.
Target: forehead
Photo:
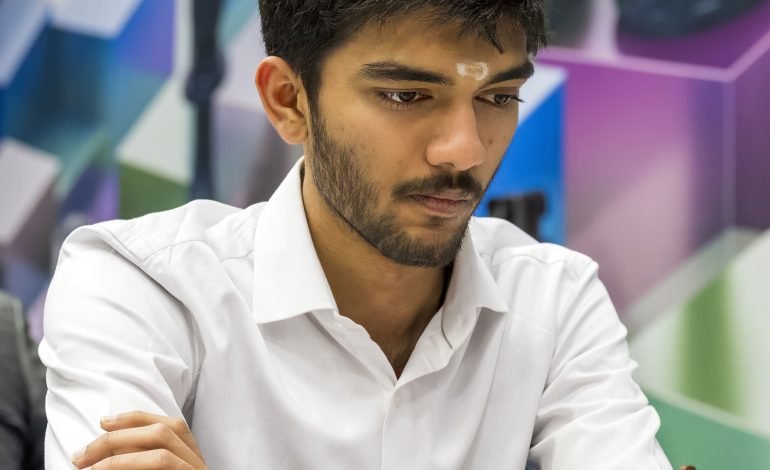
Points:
(414, 39)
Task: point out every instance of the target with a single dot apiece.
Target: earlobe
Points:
(281, 92)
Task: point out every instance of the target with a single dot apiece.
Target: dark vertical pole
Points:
(202, 186)
(204, 78)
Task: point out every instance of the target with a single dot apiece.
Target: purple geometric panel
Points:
(667, 142)
(151, 25)
(27, 203)
(752, 132)
(644, 170)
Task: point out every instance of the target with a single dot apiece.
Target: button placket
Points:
(396, 399)
(355, 339)
(397, 430)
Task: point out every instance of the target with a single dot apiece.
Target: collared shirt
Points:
(223, 316)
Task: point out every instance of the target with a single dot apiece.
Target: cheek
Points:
(371, 154)
(389, 146)
(498, 139)
(497, 143)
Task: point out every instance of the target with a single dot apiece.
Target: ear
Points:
(283, 98)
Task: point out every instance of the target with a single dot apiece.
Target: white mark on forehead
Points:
(477, 70)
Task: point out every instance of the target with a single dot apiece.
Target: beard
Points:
(352, 197)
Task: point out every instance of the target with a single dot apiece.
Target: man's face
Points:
(411, 123)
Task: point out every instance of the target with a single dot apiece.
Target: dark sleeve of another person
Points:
(22, 419)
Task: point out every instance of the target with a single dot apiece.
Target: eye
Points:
(403, 97)
(502, 100)
(402, 100)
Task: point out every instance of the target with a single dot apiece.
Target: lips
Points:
(445, 204)
(457, 196)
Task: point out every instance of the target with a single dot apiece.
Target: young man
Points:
(361, 318)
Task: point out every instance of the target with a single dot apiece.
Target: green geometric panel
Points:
(704, 366)
(154, 157)
(142, 192)
(706, 338)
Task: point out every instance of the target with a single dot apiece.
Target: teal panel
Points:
(690, 438)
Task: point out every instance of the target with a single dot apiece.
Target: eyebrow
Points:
(397, 72)
(519, 72)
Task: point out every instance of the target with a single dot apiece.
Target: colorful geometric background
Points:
(653, 154)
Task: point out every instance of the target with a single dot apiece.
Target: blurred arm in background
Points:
(22, 392)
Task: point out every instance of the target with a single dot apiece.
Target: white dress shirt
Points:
(224, 316)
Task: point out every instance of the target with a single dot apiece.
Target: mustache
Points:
(439, 183)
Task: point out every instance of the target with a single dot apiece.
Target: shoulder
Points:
(218, 229)
(505, 247)
(539, 281)
(547, 285)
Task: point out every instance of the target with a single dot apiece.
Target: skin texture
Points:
(378, 136)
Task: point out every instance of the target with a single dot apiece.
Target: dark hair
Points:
(304, 32)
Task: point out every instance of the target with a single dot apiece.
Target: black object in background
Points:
(667, 18)
(206, 75)
(568, 20)
(22, 392)
(524, 211)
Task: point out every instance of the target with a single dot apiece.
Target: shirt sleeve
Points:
(592, 414)
(114, 341)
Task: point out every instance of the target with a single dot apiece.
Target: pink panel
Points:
(645, 170)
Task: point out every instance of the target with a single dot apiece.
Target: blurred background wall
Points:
(667, 186)
(644, 142)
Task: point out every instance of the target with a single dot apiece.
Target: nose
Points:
(457, 143)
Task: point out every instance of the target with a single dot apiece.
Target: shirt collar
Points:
(472, 285)
(289, 279)
(472, 289)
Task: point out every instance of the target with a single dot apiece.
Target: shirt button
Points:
(396, 400)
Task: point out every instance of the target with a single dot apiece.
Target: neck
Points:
(393, 302)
